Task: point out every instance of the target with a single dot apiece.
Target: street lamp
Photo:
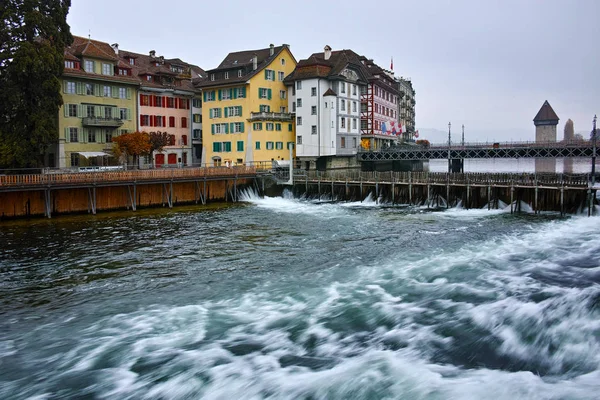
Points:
(594, 152)
(463, 135)
(449, 143)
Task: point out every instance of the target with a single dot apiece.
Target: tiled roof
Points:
(236, 61)
(546, 113)
(85, 47)
(329, 92)
(79, 73)
(317, 67)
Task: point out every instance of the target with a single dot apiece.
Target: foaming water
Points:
(291, 298)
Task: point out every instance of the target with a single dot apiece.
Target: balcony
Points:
(271, 116)
(102, 122)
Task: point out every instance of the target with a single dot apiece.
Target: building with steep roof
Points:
(245, 103)
(324, 92)
(406, 107)
(168, 102)
(99, 103)
(545, 123)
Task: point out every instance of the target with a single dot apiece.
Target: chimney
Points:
(327, 52)
(161, 59)
(152, 54)
(115, 47)
(254, 62)
(271, 49)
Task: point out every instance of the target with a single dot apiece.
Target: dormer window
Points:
(212, 77)
(89, 66)
(240, 73)
(131, 61)
(107, 69)
(227, 75)
(70, 64)
(149, 78)
(157, 64)
(123, 72)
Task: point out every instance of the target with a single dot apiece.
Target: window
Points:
(131, 61)
(184, 122)
(279, 145)
(278, 127)
(354, 123)
(89, 66)
(283, 61)
(282, 110)
(354, 106)
(298, 139)
(298, 120)
(264, 93)
(343, 142)
(220, 128)
(108, 112)
(290, 127)
(299, 85)
(226, 94)
(123, 113)
(237, 127)
(257, 126)
(107, 136)
(149, 78)
(122, 93)
(171, 122)
(269, 126)
(212, 77)
(239, 73)
(354, 142)
(343, 105)
(107, 91)
(158, 101)
(106, 69)
(264, 108)
(70, 64)
(299, 103)
(70, 88)
(89, 89)
(197, 134)
(74, 136)
(170, 102)
(313, 130)
(91, 137)
(240, 145)
(342, 87)
(233, 111)
(313, 110)
(343, 123)
(226, 74)
(354, 89)
(90, 111)
(313, 91)
(294, 106)
(269, 145)
(215, 113)
(282, 94)
(217, 147)
(72, 110)
(74, 159)
(197, 118)
(257, 145)
(196, 103)
(281, 75)
(210, 96)
(269, 75)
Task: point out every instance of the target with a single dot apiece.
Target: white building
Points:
(324, 92)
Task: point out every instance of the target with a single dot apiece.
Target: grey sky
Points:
(488, 64)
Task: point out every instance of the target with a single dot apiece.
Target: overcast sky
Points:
(488, 64)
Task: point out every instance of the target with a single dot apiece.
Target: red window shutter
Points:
(184, 122)
(153, 120)
(188, 104)
(141, 120)
(184, 139)
(177, 102)
(164, 102)
(172, 122)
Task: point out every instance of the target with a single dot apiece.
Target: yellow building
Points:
(99, 96)
(244, 111)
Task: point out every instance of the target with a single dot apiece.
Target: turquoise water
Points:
(292, 299)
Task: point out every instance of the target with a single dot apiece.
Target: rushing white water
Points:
(377, 302)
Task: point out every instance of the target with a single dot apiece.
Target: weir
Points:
(564, 193)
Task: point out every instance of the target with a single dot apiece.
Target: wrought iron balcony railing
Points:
(105, 122)
(271, 116)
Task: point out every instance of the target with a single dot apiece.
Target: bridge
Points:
(563, 149)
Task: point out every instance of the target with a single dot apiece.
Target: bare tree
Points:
(569, 130)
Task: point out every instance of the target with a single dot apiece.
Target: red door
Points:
(159, 160)
(172, 158)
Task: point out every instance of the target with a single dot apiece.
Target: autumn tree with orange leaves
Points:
(134, 144)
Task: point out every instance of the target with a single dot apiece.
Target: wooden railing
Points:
(442, 178)
(100, 177)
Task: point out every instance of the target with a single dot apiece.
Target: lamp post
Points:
(463, 135)
(449, 143)
(594, 152)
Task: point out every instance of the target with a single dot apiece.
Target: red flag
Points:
(392, 64)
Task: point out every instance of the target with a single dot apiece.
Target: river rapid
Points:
(282, 298)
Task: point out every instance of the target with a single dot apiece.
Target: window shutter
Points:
(240, 110)
(64, 86)
(226, 112)
(226, 128)
(212, 129)
(128, 93)
(266, 74)
(80, 110)
(269, 94)
(219, 94)
(128, 114)
(67, 135)
(227, 146)
(79, 88)
(231, 127)
(235, 93)
(242, 127)
(211, 113)
(141, 120)
(66, 109)
(204, 96)
(259, 92)
(83, 135)
(96, 90)
(164, 102)
(243, 92)
(215, 147)
(115, 92)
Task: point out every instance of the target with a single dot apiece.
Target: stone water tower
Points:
(545, 131)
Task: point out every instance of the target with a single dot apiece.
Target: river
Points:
(292, 299)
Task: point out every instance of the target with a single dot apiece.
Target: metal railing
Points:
(271, 116)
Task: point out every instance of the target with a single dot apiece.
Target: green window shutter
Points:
(67, 135)
(66, 109)
(227, 146)
(220, 94)
(64, 86)
(231, 127)
(128, 93)
(242, 127)
(235, 92)
(78, 88)
(278, 127)
(79, 111)
(226, 128)
(269, 94)
(204, 96)
(226, 112)
(259, 89)
(257, 146)
(128, 112)
(266, 74)
(212, 129)
(115, 92)
(240, 145)
(83, 135)
(215, 146)
(243, 92)
(240, 110)
(97, 91)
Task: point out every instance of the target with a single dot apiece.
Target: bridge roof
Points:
(546, 113)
